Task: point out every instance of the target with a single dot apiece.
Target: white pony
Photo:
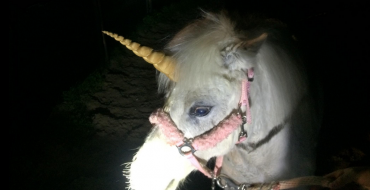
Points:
(204, 77)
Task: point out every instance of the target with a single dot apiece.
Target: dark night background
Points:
(55, 45)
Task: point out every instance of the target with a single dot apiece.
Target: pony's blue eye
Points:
(200, 111)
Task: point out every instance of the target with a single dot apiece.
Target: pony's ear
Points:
(239, 55)
(254, 44)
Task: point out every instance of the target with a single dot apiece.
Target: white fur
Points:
(210, 68)
(146, 170)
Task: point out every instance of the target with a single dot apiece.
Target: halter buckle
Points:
(243, 134)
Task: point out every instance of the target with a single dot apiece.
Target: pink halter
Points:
(209, 139)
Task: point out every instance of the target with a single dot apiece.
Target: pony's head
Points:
(203, 74)
(209, 60)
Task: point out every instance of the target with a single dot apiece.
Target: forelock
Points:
(196, 49)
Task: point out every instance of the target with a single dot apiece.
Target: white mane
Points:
(196, 46)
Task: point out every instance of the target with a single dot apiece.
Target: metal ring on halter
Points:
(228, 183)
(219, 183)
(186, 148)
(242, 131)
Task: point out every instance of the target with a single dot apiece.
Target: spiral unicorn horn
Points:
(159, 60)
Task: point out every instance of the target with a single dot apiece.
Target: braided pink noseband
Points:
(202, 142)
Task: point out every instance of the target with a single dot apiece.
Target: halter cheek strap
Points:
(244, 101)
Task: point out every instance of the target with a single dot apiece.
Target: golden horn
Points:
(160, 61)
